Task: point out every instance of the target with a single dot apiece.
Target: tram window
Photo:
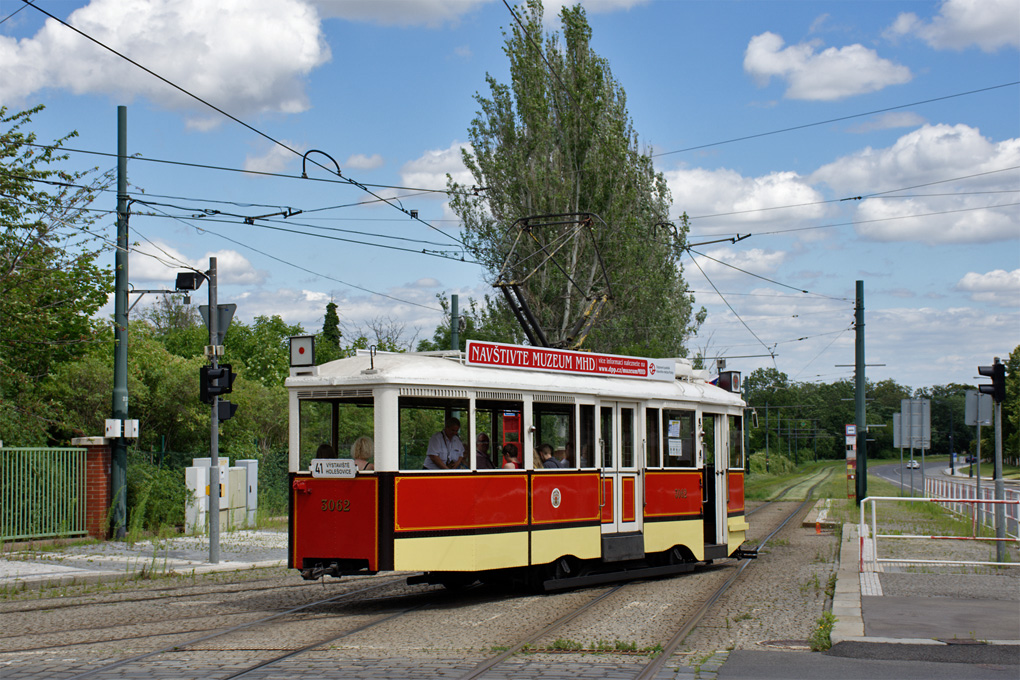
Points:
(554, 425)
(652, 438)
(587, 439)
(330, 428)
(736, 442)
(606, 436)
(708, 437)
(678, 437)
(422, 417)
(627, 437)
(502, 421)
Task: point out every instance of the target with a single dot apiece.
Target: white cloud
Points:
(998, 287)
(430, 169)
(360, 161)
(429, 13)
(755, 261)
(697, 192)
(933, 153)
(888, 121)
(275, 159)
(987, 24)
(827, 75)
(158, 262)
(246, 56)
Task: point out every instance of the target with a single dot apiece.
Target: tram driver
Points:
(446, 451)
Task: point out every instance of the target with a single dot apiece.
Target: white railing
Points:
(962, 500)
(869, 534)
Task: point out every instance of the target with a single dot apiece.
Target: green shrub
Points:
(778, 463)
(155, 496)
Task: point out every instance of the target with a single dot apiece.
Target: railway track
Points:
(331, 620)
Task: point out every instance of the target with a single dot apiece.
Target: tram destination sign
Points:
(343, 468)
(563, 361)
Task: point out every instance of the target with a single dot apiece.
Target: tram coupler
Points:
(746, 553)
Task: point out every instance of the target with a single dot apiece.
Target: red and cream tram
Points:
(648, 475)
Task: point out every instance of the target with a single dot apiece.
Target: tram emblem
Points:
(556, 498)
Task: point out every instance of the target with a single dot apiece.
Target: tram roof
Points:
(449, 370)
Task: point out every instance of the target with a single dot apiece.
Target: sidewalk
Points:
(939, 610)
(118, 561)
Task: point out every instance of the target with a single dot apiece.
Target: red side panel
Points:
(673, 494)
(336, 518)
(558, 498)
(451, 501)
(735, 503)
(627, 512)
(607, 500)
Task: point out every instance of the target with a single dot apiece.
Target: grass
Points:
(821, 636)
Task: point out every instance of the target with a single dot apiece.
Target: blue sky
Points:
(387, 87)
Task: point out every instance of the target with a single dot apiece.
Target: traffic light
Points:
(997, 372)
(214, 382)
(225, 410)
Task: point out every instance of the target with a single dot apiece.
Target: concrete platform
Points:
(117, 560)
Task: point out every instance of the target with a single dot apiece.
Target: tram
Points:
(648, 476)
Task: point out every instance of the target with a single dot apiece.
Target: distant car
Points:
(913, 464)
(971, 459)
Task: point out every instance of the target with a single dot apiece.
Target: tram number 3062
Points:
(679, 493)
(336, 505)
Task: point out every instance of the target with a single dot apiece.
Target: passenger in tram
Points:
(565, 456)
(586, 460)
(544, 457)
(446, 450)
(510, 459)
(325, 451)
(363, 451)
(482, 460)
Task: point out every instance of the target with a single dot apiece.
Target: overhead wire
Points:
(864, 196)
(885, 219)
(758, 276)
(771, 351)
(304, 269)
(237, 120)
(208, 212)
(836, 120)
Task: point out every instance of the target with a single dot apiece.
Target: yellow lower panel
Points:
(737, 527)
(582, 542)
(661, 536)
(737, 524)
(461, 553)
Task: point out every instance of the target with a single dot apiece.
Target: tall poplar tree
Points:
(558, 139)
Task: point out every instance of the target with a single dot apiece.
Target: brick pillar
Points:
(98, 484)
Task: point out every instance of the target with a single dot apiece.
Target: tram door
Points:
(716, 456)
(621, 489)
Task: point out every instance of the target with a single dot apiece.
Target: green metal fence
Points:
(42, 493)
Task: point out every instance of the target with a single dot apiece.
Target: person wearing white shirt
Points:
(446, 451)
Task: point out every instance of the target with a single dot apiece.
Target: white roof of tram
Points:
(449, 370)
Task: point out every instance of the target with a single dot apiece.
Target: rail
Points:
(872, 550)
(42, 493)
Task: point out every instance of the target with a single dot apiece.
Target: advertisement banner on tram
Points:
(563, 361)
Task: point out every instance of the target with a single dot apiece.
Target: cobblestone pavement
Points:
(775, 603)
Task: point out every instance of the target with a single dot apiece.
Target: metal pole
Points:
(1000, 491)
(977, 480)
(766, 436)
(454, 323)
(859, 418)
(214, 435)
(118, 472)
